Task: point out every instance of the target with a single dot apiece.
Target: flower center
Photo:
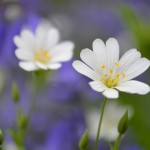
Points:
(42, 56)
(111, 78)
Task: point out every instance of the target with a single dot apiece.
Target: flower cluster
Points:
(43, 51)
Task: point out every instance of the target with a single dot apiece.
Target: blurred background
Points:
(62, 107)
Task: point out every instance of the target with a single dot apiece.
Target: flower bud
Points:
(83, 144)
(22, 121)
(1, 137)
(123, 123)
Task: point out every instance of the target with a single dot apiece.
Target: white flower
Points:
(111, 74)
(112, 115)
(10, 146)
(42, 50)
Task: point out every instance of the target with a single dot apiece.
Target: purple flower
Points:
(66, 132)
(70, 85)
(131, 147)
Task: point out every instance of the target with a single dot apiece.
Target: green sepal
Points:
(123, 123)
(83, 144)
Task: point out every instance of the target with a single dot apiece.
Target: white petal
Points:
(62, 52)
(134, 87)
(128, 59)
(52, 38)
(28, 66)
(54, 66)
(40, 30)
(97, 86)
(140, 66)
(41, 66)
(20, 43)
(28, 37)
(112, 48)
(23, 55)
(40, 35)
(111, 93)
(90, 59)
(100, 50)
(85, 70)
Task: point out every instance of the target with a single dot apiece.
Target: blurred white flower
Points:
(13, 12)
(42, 50)
(10, 146)
(109, 73)
(112, 115)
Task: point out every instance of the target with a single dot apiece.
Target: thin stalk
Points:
(33, 99)
(100, 123)
(116, 146)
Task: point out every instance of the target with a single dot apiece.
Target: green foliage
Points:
(140, 122)
(83, 144)
(140, 29)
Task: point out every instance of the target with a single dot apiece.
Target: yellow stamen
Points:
(117, 75)
(102, 79)
(103, 66)
(105, 75)
(42, 56)
(116, 80)
(123, 75)
(117, 64)
(109, 82)
(109, 79)
(111, 71)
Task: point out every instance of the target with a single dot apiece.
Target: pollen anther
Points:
(123, 75)
(103, 66)
(105, 75)
(111, 71)
(42, 56)
(117, 64)
(102, 79)
(117, 75)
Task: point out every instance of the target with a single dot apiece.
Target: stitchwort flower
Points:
(42, 50)
(109, 74)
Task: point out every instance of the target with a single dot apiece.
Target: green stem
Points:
(116, 146)
(100, 123)
(33, 99)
